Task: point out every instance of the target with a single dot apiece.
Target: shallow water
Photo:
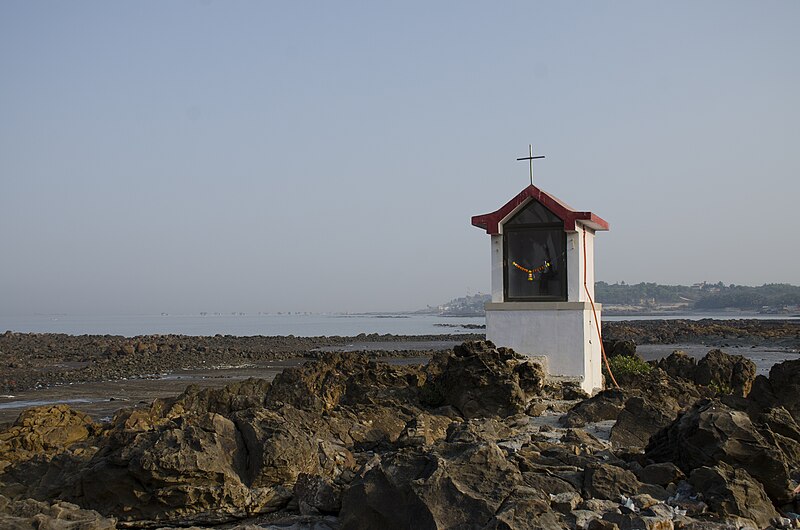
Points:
(101, 399)
(764, 357)
(300, 325)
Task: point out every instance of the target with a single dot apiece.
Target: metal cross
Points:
(530, 158)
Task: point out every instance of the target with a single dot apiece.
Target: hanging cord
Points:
(594, 311)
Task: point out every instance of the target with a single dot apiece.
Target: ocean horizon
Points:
(297, 324)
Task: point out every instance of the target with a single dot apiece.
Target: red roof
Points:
(491, 221)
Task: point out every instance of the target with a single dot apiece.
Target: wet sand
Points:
(101, 399)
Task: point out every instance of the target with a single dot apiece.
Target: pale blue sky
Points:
(266, 156)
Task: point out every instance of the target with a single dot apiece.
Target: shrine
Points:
(542, 278)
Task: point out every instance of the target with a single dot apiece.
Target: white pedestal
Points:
(563, 332)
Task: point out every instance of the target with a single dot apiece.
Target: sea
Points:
(297, 324)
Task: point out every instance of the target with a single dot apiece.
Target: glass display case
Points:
(535, 264)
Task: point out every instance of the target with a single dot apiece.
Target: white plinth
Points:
(563, 332)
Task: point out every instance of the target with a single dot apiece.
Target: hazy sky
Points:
(273, 156)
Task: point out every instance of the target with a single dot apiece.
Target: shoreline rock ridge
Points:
(478, 437)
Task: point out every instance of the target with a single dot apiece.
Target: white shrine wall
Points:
(564, 332)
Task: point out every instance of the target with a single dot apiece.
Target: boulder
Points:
(631, 521)
(784, 379)
(678, 364)
(640, 418)
(207, 468)
(605, 405)
(191, 469)
(29, 514)
(602, 524)
(193, 400)
(733, 492)
(371, 427)
(481, 380)
(662, 474)
(448, 486)
(565, 502)
(347, 378)
(725, 373)
(424, 429)
(615, 348)
(231, 398)
(712, 432)
(604, 481)
(317, 494)
(732, 373)
(44, 431)
(650, 402)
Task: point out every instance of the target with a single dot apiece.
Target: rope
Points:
(594, 311)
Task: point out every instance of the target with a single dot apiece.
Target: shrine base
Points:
(563, 332)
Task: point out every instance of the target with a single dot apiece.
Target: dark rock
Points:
(184, 471)
(600, 506)
(632, 521)
(761, 394)
(317, 494)
(679, 364)
(582, 442)
(623, 348)
(661, 474)
(237, 396)
(481, 380)
(712, 432)
(729, 372)
(602, 524)
(705, 331)
(653, 403)
(526, 508)
(605, 405)
(206, 467)
(565, 502)
(347, 378)
(478, 430)
(730, 491)
(29, 514)
(372, 427)
(639, 419)
(456, 485)
(604, 481)
(424, 429)
(542, 478)
(784, 379)
(582, 518)
(643, 501)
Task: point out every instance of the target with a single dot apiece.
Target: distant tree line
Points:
(700, 296)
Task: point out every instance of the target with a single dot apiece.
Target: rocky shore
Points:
(720, 333)
(476, 438)
(36, 360)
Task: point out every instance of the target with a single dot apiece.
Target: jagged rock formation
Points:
(348, 442)
(43, 432)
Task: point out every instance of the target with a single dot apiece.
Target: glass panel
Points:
(533, 213)
(536, 264)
